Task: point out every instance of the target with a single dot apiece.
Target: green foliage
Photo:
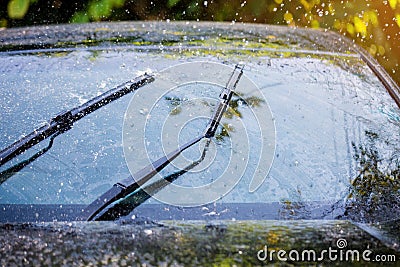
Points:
(17, 9)
(97, 10)
(175, 102)
(3, 23)
(372, 24)
(80, 17)
(233, 111)
(172, 3)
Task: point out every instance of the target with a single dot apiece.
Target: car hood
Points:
(335, 115)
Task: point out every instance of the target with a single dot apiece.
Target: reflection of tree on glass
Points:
(237, 102)
(375, 191)
(290, 210)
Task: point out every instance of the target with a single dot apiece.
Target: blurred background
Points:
(373, 24)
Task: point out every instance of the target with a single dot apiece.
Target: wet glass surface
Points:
(327, 110)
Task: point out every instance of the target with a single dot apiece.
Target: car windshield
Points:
(311, 131)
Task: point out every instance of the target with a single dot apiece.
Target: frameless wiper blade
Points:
(63, 121)
(129, 185)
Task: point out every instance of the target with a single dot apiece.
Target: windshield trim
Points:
(174, 48)
(318, 210)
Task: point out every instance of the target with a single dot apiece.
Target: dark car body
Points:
(334, 174)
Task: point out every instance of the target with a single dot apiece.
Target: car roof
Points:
(190, 33)
(169, 33)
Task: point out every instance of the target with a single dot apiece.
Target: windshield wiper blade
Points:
(63, 121)
(224, 97)
(129, 185)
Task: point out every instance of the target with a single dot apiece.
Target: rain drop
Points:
(143, 111)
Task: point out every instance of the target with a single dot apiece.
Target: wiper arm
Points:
(8, 173)
(63, 121)
(129, 185)
(139, 196)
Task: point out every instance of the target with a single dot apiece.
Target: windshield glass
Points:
(329, 126)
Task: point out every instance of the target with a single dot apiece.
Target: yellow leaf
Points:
(360, 26)
(288, 17)
(398, 19)
(315, 24)
(306, 5)
(371, 16)
(373, 49)
(381, 50)
(350, 28)
(337, 24)
(393, 4)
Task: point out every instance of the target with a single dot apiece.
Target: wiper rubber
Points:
(63, 121)
(129, 185)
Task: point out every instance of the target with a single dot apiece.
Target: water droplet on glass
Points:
(143, 111)
(102, 85)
